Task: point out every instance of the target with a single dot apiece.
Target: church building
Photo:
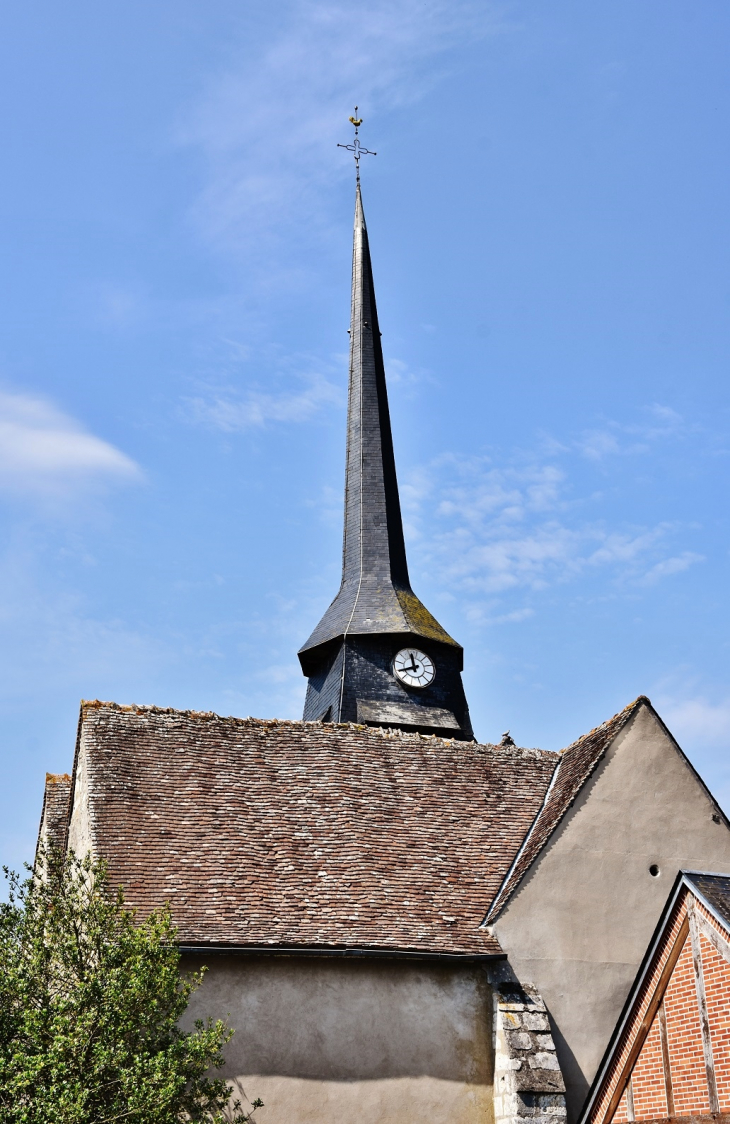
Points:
(400, 923)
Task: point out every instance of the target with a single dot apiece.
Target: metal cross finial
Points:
(356, 148)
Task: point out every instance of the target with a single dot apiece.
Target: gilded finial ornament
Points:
(356, 148)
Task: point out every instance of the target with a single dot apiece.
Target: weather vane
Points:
(356, 148)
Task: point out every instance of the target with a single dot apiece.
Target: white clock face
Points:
(414, 668)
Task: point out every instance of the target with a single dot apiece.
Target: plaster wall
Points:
(582, 918)
(334, 1040)
(79, 828)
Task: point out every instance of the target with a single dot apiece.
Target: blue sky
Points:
(549, 225)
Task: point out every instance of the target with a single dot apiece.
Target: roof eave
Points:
(346, 952)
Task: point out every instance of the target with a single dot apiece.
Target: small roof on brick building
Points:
(714, 891)
(302, 835)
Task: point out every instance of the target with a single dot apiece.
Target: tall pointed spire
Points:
(375, 597)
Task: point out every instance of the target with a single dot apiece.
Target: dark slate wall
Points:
(323, 692)
(369, 676)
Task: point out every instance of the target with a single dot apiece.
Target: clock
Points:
(414, 668)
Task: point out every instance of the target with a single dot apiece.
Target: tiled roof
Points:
(715, 889)
(300, 835)
(575, 766)
(55, 810)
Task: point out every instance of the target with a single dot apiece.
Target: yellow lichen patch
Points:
(420, 620)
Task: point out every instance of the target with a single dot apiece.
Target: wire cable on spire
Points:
(356, 148)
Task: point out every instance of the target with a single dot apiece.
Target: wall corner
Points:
(528, 1084)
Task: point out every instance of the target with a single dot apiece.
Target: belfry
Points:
(378, 657)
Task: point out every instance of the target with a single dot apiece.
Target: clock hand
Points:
(414, 665)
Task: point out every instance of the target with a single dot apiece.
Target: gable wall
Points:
(580, 922)
(622, 1112)
(79, 831)
(329, 1040)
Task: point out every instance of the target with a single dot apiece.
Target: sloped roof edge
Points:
(232, 720)
(54, 814)
(576, 764)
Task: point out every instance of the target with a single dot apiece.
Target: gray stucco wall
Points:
(79, 829)
(580, 922)
(333, 1040)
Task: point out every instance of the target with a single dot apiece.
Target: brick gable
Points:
(669, 1057)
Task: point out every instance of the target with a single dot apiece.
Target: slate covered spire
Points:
(375, 597)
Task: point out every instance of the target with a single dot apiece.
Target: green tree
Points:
(90, 1003)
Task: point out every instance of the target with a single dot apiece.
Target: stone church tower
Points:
(378, 656)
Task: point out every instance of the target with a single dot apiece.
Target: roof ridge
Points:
(618, 714)
(249, 720)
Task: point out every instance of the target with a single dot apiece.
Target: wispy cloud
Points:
(675, 565)
(269, 126)
(233, 411)
(44, 451)
(701, 725)
(521, 527)
(698, 721)
(654, 423)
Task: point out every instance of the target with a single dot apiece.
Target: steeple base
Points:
(354, 682)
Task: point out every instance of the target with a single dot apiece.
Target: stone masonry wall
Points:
(528, 1084)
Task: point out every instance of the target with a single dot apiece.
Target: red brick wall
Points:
(686, 1059)
(647, 1079)
(621, 1114)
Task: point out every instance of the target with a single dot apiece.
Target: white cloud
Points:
(520, 528)
(598, 443)
(627, 549)
(481, 614)
(673, 565)
(401, 375)
(45, 451)
(268, 128)
(233, 411)
(697, 721)
(654, 423)
(505, 561)
(701, 725)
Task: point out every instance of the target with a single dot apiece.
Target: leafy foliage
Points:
(90, 1002)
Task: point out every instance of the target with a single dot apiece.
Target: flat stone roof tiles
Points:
(303, 835)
